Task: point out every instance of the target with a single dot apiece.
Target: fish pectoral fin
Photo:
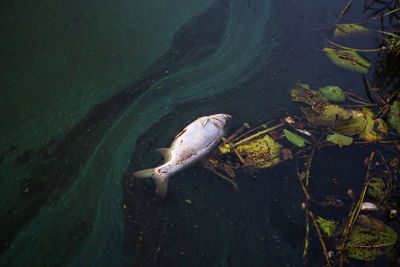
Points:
(144, 173)
(161, 185)
(166, 152)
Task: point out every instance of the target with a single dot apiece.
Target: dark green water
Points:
(90, 89)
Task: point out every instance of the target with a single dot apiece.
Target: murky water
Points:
(90, 91)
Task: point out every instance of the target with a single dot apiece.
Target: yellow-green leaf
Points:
(347, 59)
(339, 138)
(295, 139)
(349, 29)
(366, 244)
(333, 93)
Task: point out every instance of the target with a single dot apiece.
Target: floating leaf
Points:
(350, 60)
(349, 29)
(329, 116)
(295, 139)
(327, 226)
(375, 188)
(260, 153)
(370, 222)
(381, 126)
(368, 133)
(338, 138)
(366, 244)
(333, 93)
(353, 126)
(394, 116)
(303, 93)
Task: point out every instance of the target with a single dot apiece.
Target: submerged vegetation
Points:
(330, 117)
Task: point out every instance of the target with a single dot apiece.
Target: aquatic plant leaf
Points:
(347, 59)
(353, 126)
(375, 188)
(224, 148)
(369, 134)
(381, 126)
(339, 139)
(303, 93)
(371, 222)
(343, 30)
(295, 139)
(327, 226)
(394, 116)
(260, 153)
(329, 116)
(366, 244)
(333, 93)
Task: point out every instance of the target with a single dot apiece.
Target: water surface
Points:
(91, 90)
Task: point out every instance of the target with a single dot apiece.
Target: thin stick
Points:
(254, 129)
(257, 134)
(240, 157)
(355, 212)
(238, 131)
(225, 178)
(306, 241)
(344, 11)
(320, 238)
(354, 49)
(309, 166)
(388, 13)
(304, 188)
(380, 142)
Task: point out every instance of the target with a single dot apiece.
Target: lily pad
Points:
(375, 188)
(333, 93)
(327, 226)
(381, 126)
(343, 30)
(295, 139)
(339, 139)
(366, 244)
(369, 134)
(352, 126)
(260, 153)
(330, 115)
(303, 93)
(347, 59)
(394, 116)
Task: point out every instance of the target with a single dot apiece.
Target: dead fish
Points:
(190, 145)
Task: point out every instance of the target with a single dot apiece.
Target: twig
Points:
(344, 11)
(353, 49)
(306, 241)
(309, 166)
(355, 212)
(304, 188)
(257, 134)
(240, 157)
(388, 13)
(320, 238)
(238, 131)
(254, 129)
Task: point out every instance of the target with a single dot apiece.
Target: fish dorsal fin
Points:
(166, 152)
(204, 121)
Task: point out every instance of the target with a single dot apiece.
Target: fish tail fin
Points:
(161, 184)
(160, 181)
(144, 173)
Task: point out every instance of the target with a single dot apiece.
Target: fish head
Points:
(221, 121)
